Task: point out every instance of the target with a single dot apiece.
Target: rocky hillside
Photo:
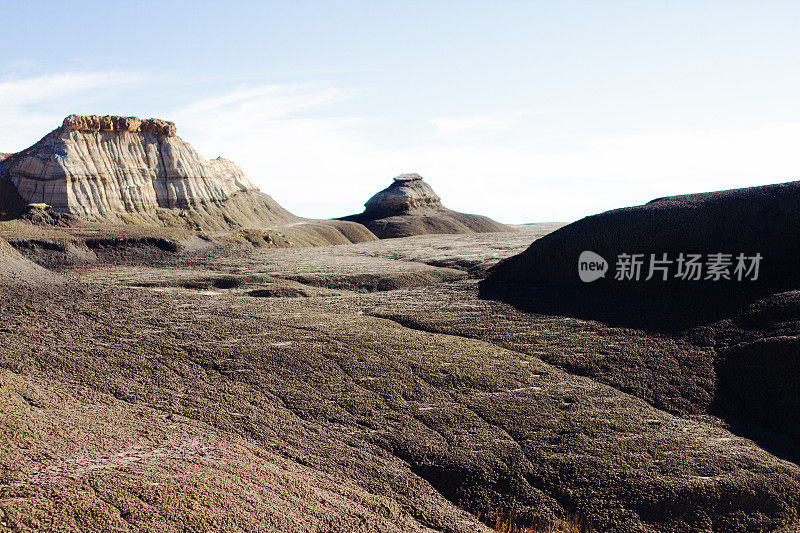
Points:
(368, 388)
(757, 221)
(100, 166)
(409, 206)
(124, 170)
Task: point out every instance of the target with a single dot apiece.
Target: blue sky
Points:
(523, 111)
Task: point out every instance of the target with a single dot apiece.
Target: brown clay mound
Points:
(16, 269)
(409, 207)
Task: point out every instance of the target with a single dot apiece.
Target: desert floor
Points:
(362, 387)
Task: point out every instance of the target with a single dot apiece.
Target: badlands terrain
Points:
(409, 206)
(179, 353)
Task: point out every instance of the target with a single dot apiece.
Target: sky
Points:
(522, 111)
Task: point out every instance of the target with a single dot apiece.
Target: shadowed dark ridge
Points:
(15, 269)
(763, 220)
(751, 327)
(11, 203)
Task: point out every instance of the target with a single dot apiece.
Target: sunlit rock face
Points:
(409, 207)
(96, 166)
(406, 193)
(116, 123)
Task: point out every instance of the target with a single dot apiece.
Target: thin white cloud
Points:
(328, 167)
(296, 144)
(32, 106)
(281, 136)
(483, 123)
(40, 89)
(264, 103)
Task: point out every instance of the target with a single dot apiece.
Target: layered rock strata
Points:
(406, 193)
(100, 166)
(409, 206)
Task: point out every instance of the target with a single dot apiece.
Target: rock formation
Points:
(409, 206)
(406, 193)
(133, 171)
(759, 220)
(100, 166)
(122, 124)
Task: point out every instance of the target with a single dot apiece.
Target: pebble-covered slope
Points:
(14, 268)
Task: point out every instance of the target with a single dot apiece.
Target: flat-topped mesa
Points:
(408, 192)
(106, 166)
(116, 123)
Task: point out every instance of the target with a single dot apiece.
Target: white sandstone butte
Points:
(95, 166)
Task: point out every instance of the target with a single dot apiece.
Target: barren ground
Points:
(361, 387)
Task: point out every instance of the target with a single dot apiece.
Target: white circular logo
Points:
(591, 266)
